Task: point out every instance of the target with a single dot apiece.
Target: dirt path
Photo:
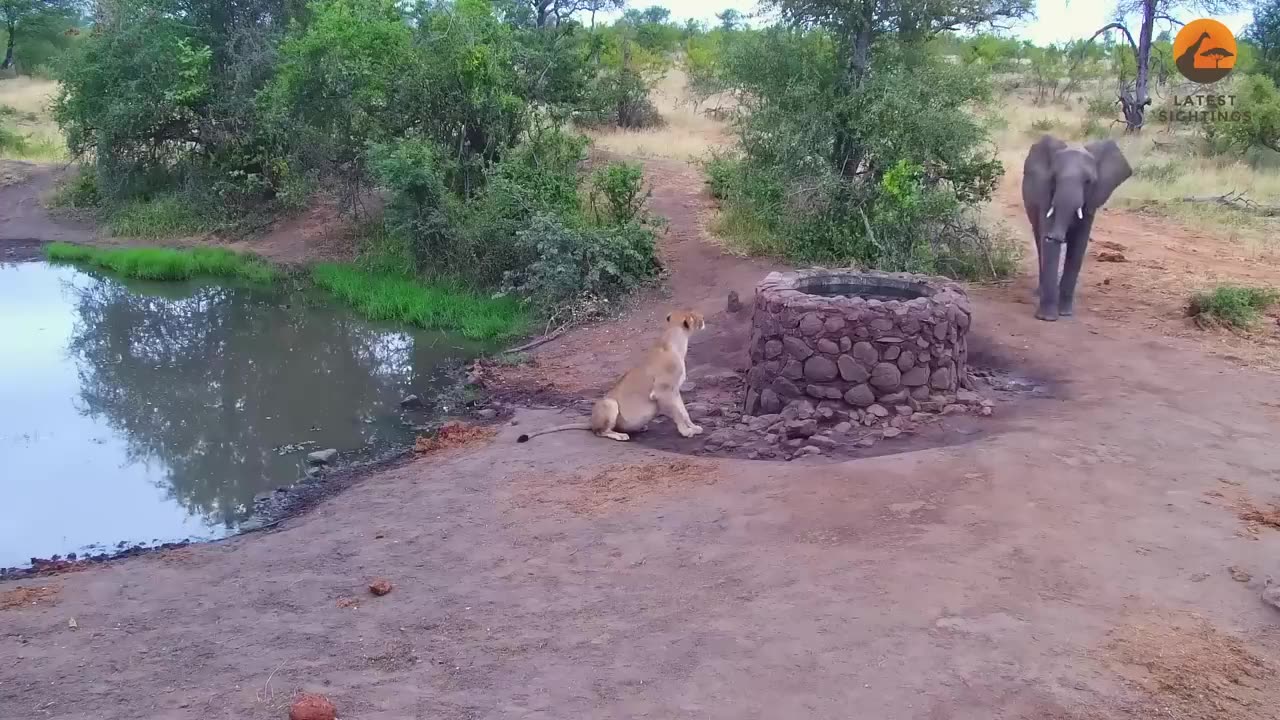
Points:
(1072, 565)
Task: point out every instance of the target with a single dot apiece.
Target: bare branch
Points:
(1114, 26)
(1175, 21)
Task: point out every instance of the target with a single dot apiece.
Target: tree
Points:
(1135, 98)
(731, 20)
(855, 25)
(1264, 34)
(18, 14)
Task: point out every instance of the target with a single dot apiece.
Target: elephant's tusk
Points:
(1079, 213)
(1050, 213)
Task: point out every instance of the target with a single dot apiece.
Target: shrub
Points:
(1101, 107)
(163, 216)
(573, 262)
(80, 191)
(1231, 306)
(618, 193)
(1257, 122)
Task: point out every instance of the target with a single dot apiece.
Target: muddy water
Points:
(140, 413)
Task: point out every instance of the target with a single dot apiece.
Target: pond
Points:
(143, 413)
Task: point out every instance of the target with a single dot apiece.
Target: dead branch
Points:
(1235, 199)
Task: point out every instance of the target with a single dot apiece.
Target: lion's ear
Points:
(668, 317)
(686, 323)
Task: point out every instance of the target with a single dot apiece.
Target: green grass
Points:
(165, 216)
(747, 231)
(1232, 306)
(166, 263)
(439, 305)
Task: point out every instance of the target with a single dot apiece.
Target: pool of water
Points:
(141, 413)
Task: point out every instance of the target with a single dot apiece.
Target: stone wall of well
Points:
(855, 350)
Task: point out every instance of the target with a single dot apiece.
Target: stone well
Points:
(857, 338)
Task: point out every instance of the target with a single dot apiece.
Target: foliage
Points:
(1264, 35)
(1231, 306)
(618, 194)
(440, 305)
(590, 262)
(166, 263)
(1257, 122)
(920, 156)
(161, 216)
(32, 29)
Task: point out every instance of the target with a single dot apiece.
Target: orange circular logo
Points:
(1204, 51)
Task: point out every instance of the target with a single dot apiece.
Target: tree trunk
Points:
(1135, 106)
(8, 51)
(846, 153)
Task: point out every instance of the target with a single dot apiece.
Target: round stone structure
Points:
(854, 337)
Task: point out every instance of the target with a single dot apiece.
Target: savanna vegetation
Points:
(458, 131)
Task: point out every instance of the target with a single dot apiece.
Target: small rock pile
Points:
(805, 428)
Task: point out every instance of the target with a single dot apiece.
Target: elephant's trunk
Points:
(1050, 259)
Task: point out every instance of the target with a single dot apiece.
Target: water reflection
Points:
(145, 411)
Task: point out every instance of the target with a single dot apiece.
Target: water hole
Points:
(141, 413)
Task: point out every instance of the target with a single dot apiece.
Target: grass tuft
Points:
(165, 216)
(441, 305)
(166, 263)
(1231, 306)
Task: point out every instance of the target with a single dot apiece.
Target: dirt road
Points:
(1076, 564)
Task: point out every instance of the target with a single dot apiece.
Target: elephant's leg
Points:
(1050, 257)
(1077, 243)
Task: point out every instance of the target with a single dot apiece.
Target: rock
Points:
(968, 397)
(1239, 574)
(1111, 256)
(833, 325)
(865, 353)
(878, 410)
(843, 427)
(891, 432)
(953, 409)
(733, 304)
(312, 707)
(411, 401)
(315, 473)
(904, 410)
(753, 455)
(886, 376)
(820, 369)
(940, 330)
(810, 324)
(804, 409)
(808, 450)
(796, 347)
(785, 388)
(722, 437)
(380, 587)
(772, 349)
(860, 395)
(865, 442)
(825, 414)
(322, 457)
(802, 428)
(1271, 594)
(794, 442)
(985, 411)
(823, 441)
(697, 409)
(916, 377)
(921, 393)
(845, 344)
(893, 352)
(793, 370)
(850, 370)
(769, 401)
(762, 422)
(828, 346)
(941, 378)
(922, 417)
(487, 414)
(771, 439)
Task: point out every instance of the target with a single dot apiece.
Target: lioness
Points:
(647, 390)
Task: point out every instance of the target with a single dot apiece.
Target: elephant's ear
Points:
(1039, 163)
(1112, 170)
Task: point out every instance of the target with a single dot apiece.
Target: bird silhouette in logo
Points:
(1214, 52)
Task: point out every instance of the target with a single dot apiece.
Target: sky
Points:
(1055, 21)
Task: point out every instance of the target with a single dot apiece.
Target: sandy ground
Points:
(1088, 560)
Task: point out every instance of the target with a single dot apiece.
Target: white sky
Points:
(1056, 20)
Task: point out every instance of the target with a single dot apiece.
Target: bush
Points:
(1257, 123)
(163, 216)
(618, 194)
(573, 262)
(79, 192)
(1231, 306)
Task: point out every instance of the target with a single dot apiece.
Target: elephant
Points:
(1063, 187)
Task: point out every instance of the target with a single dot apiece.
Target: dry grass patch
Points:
(24, 110)
(1190, 670)
(28, 596)
(687, 135)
